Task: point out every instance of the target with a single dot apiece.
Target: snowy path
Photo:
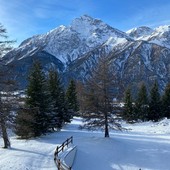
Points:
(122, 151)
(28, 155)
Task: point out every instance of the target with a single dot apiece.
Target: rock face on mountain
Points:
(140, 32)
(139, 55)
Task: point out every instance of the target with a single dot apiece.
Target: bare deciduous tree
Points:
(5, 44)
(5, 104)
(99, 94)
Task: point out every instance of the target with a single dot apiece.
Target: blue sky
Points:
(25, 18)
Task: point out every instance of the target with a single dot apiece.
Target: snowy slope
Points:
(159, 35)
(133, 149)
(68, 43)
(140, 33)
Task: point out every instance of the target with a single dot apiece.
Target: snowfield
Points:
(144, 146)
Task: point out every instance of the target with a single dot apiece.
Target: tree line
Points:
(47, 106)
(147, 105)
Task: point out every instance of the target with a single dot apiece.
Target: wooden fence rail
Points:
(61, 149)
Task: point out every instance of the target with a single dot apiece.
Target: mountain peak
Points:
(85, 21)
(75, 49)
(140, 32)
(163, 28)
(88, 26)
(86, 17)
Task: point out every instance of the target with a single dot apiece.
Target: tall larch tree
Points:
(5, 105)
(98, 97)
(5, 44)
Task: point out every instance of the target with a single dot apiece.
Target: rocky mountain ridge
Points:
(139, 55)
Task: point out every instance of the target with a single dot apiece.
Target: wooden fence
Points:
(59, 149)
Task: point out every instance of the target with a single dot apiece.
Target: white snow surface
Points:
(144, 146)
(159, 35)
(140, 33)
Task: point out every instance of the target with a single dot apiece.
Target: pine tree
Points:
(71, 96)
(55, 90)
(66, 113)
(25, 123)
(60, 112)
(166, 102)
(38, 98)
(141, 104)
(128, 113)
(154, 103)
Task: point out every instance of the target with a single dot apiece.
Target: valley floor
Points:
(144, 146)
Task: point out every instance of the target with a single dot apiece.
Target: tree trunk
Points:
(106, 126)
(5, 135)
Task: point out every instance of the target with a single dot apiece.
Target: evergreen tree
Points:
(128, 113)
(38, 97)
(60, 112)
(154, 103)
(141, 104)
(166, 102)
(25, 123)
(71, 96)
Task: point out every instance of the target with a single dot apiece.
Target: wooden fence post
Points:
(59, 164)
(59, 149)
(72, 139)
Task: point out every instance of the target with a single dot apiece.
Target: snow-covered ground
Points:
(144, 146)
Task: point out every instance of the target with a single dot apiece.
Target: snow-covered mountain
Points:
(71, 42)
(140, 54)
(140, 32)
(161, 36)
